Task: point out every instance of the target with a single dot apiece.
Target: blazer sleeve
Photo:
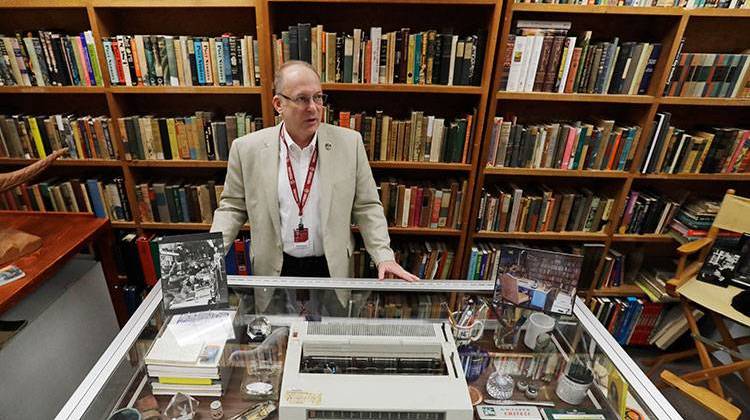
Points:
(367, 210)
(232, 211)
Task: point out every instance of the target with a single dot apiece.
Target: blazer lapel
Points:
(326, 166)
(270, 174)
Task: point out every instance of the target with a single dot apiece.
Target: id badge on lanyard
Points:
(302, 238)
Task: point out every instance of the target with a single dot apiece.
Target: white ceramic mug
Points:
(466, 334)
(537, 323)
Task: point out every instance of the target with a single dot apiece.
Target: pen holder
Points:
(465, 334)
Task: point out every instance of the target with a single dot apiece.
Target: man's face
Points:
(295, 102)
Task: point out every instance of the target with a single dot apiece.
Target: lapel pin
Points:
(328, 146)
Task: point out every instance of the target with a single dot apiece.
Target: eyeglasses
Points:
(303, 100)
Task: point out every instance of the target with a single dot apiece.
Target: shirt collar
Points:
(293, 146)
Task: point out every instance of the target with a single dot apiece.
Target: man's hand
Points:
(392, 267)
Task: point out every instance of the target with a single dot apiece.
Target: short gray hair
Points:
(278, 80)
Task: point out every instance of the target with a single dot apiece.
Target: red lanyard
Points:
(293, 181)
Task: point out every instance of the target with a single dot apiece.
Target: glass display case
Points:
(504, 359)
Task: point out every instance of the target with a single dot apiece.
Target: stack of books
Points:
(187, 356)
(653, 282)
(672, 325)
(541, 57)
(694, 219)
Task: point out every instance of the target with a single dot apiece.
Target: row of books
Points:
(541, 209)
(104, 198)
(648, 212)
(712, 75)
(49, 59)
(403, 56)
(421, 138)
(613, 271)
(573, 145)
(165, 60)
(672, 150)
(399, 305)
(31, 137)
(429, 260)
(197, 137)
(178, 203)
(631, 320)
(423, 205)
(541, 57)
(689, 4)
(486, 260)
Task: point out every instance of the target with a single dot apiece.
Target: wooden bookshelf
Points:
(263, 18)
(667, 25)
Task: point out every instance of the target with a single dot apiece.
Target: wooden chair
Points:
(715, 301)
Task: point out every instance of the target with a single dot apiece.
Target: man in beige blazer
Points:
(341, 190)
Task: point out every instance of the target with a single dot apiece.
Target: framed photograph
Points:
(538, 279)
(193, 274)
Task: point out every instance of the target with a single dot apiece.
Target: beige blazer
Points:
(348, 194)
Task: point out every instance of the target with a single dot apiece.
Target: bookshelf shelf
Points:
(175, 226)
(555, 173)
(27, 4)
(394, 230)
(173, 3)
(65, 162)
(427, 166)
(574, 97)
(652, 237)
(401, 88)
(177, 163)
(606, 10)
(53, 89)
(123, 225)
(488, 2)
(552, 236)
(620, 291)
(676, 100)
(734, 13)
(187, 90)
(698, 177)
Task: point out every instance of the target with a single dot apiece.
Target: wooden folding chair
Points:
(734, 215)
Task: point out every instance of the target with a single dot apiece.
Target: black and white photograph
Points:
(193, 273)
